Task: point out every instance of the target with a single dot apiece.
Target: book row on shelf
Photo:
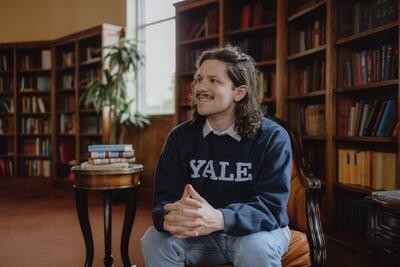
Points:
(252, 15)
(34, 167)
(43, 127)
(376, 170)
(6, 167)
(32, 83)
(266, 84)
(365, 15)
(308, 37)
(36, 60)
(36, 147)
(36, 126)
(312, 119)
(34, 104)
(308, 78)
(369, 66)
(367, 118)
(331, 69)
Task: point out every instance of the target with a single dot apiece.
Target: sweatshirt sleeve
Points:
(169, 180)
(266, 209)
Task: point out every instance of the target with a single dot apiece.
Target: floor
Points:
(39, 225)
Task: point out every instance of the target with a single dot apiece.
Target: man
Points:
(222, 180)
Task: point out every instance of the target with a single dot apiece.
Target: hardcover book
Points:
(113, 147)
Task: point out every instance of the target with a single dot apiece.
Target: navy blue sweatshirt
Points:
(248, 180)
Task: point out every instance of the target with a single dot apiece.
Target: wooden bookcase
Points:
(326, 69)
(47, 129)
(306, 65)
(7, 114)
(365, 86)
(33, 107)
(78, 60)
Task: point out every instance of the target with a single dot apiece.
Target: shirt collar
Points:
(207, 128)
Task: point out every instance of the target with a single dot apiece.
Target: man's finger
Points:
(190, 233)
(174, 229)
(187, 218)
(169, 207)
(192, 213)
(185, 193)
(193, 193)
(181, 231)
(192, 202)
(192, 224)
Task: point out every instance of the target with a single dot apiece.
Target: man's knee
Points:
(151, 239)
(160, 245)
(259, 249)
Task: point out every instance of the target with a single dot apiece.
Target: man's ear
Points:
(240, 92)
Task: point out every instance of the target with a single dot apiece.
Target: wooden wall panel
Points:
(148, 144)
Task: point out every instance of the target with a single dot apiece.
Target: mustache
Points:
(204, 94)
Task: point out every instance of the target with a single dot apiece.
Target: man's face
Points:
(214, 92)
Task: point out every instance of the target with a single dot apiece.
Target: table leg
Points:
(130, 211)
(81, 198)
(108, 258)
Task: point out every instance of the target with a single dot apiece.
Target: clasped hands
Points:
(192, 216)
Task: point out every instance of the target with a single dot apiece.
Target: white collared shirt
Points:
(207, 128)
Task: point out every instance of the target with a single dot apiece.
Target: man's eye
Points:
(213, 80)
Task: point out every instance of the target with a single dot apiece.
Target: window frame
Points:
(141, 75)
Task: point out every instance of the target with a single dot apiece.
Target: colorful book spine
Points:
(113, 166)
(111, 154)
(106, 148)
(111, 160)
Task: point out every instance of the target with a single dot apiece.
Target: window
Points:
(156, 38)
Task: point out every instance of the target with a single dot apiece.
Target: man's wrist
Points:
(220, 221)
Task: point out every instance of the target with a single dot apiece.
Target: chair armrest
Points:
(314, 231)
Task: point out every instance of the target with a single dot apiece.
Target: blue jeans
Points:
(254, 250)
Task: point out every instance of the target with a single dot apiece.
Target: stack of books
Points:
(109, 157)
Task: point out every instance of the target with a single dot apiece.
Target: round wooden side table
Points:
(107, 181)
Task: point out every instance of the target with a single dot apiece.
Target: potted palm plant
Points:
(110, 94)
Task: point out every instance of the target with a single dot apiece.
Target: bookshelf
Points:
(43, 128)
(366, 93)
(252, 26)
(33, 107)
(7, 111)
(306, 80)
(66, 137)
(79, 59)
(334, 61)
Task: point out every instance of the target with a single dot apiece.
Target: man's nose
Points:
(200, 86)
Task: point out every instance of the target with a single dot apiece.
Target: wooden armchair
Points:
(307, 244)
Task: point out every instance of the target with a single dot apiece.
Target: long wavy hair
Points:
(241, 70)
